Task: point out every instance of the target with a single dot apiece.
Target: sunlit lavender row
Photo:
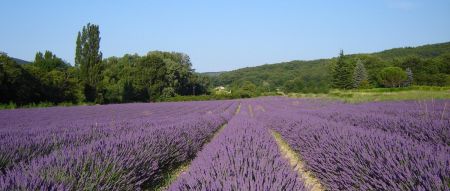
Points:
(116, 147)
(244, 156)
(372, 146)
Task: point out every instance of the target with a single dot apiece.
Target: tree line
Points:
(130, 78)
(351, 73)
(401, 67)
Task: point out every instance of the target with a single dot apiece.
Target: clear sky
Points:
(227, 34)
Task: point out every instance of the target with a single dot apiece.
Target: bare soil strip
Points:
(173, 175)
(238, 109)
(250, 108)
(296, 162)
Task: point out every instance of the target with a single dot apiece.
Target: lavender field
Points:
(228, 145)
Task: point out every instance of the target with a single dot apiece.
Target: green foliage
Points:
(443, 63)
(295, 85)
(246, 90)
(200, 97)
(48, 61)
(168, 92)
(373, 66)
(131, 78)
(155, 76)
(392, 76)
(410, 77)
(151, 75)
(425, 51)
(57, 80)
(10, 105)
(343, 73)
(270, 77)
(360, 76)
(430, 65)
(384, 94)
(308, 83)
(48, 79)
(88, 59)
(17, 84)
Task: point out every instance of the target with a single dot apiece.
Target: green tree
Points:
(152, 72)
(150, 77)
(128, 92)
(88, 59)
(178, 72)
(439, 79)
(168, 92)
(410, 77)
(443, 62)
(373, 65)
(392, 76)
(57, 81)
(48, 61)
(245, 89)
(342, 74)
(295, 85)
(360, 77)
(17, 84)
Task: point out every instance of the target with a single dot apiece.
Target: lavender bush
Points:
(244, 156)
(371, 146)
(374, 146)
(128, 152)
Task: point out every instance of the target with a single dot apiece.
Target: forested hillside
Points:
(429, 65)
(425, 51)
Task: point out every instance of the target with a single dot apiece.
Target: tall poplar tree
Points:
(88, 59)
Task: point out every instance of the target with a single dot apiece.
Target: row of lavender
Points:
(418, 120)
(244, 156)
(373, 146)
(26, 134)
(116, 147)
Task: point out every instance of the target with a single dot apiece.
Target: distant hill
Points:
(319, 71)
(425, 51)
(212, 74)
(20, 61)
(273, 73)
(17, 60)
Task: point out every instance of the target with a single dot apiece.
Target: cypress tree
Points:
(88, 59)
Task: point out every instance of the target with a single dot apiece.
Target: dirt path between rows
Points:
(294, 159)
(183, 168)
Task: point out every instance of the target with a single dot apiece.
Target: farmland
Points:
(270, 143)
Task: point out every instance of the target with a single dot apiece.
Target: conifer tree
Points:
(343, 72)
(410, 78)
(360, 75)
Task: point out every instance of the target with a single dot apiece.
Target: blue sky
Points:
(224, 35)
